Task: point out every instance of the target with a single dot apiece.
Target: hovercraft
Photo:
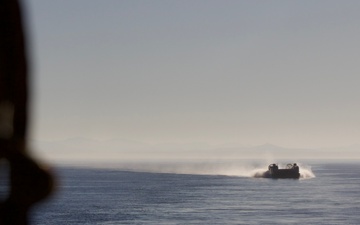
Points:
(291, 171)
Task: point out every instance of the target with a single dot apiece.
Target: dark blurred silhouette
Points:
(29, 183)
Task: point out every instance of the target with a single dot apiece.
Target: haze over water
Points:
(233, 73)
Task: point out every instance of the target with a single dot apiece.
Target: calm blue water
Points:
(105, 196)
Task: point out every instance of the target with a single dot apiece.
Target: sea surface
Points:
(328, 194)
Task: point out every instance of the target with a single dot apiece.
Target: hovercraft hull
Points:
(291, 172)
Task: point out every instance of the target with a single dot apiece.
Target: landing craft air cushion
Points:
(291, 171)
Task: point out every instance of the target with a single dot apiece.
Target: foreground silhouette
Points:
(29, 183)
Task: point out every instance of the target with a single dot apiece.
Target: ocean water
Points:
(328, 194)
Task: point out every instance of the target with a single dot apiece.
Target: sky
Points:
(216, 72)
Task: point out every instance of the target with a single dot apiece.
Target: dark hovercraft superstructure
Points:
(291, 171)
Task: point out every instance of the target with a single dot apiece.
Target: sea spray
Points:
(305, 171)
(226, 168)
(198, 168)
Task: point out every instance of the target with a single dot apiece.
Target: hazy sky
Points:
(246, 72)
